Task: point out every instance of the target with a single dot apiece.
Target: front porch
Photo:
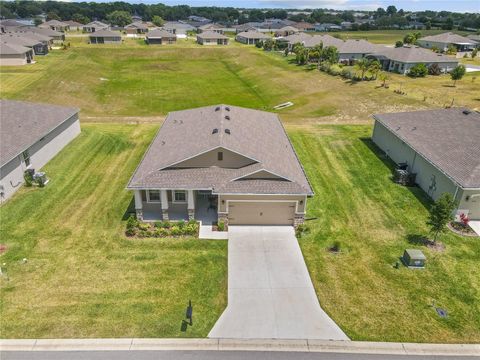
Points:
(176, 205)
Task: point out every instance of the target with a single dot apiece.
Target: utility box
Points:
(414, 258)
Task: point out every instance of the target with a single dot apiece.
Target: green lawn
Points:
(358, 205)
(141, 83)
(83, 277)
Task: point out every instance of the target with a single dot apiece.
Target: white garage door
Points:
(261, 213)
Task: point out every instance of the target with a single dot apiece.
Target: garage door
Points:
(261, 213)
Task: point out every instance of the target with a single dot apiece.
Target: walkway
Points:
(270, 294)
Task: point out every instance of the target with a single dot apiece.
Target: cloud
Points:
(325, 4)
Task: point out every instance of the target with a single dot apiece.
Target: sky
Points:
(412, 5)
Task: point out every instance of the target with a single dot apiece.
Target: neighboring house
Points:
(212, 38)
(95, 26)
(475, 38)
(46, 40)
(443, 41)
(251, 37)
(286, 31)
(55, 35)
(402, 59)
(13, 55)
(9, 25)
(441, 147)
(250, 26)
(326, 40)
(105, 37)
(55, 25)
(212, 27)
(327, 27)
(221, 162)
(305, 26)
(30, 135)
(74, 26)
(178, 28)
(160, 37)
(353, 50)
(136, 28)
(39, 47)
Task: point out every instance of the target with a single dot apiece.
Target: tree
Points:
(362, 66)
(451, 50)
(441, 213)
(374, 67)
(419, 70)
(119, 18)
(37, 21)
(268, 45)
(474, 53)
(412, 38)
(391, 10)
(52, 15)
(383, 76)
(157, 20)
(457, 73)
(398, 43)
(82, 19)
(330, 54)
(448, 24)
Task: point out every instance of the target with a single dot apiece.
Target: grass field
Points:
(374, 220)
(388, 36)
(83, 277)
(133, 80)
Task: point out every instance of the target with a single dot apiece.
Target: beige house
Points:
(30, 135)
(286, 31)
(55, 25)
(251, 37)
(212, 38)
(14, 55)
(105, 37)
(221, 163)
(441, 147)
(160, 37)
(443, 41)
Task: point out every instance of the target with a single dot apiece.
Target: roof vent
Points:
(227, 117)
(214, 131)
(227, 131)
(217, 108)
(466, 111)
(227, 108)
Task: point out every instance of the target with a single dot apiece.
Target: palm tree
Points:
(374, 67)
(362, 65)
(383, 77)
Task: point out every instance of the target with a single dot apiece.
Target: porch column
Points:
(164, 202)
(190, 205)
(138, 204)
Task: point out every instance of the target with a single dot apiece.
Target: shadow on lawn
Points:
(390, 164)
(130, 210)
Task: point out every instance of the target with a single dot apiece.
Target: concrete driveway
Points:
(270, 294)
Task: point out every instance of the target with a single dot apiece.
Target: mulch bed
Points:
(462, 230)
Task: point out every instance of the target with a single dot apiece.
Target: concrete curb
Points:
(325, 346)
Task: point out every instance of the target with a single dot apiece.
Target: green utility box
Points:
(414, 258)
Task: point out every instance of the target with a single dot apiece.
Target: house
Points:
(326, 40)
(95, 26)
(221, 163)
(355, 49)
(443, 41)
(13, 55)
(74, 25)
(45, 40)
(23, 39)
(250, 26)
(55, 35)
(9, 25)
(30, 135)
(251, 37)
(178, 28)
(475, 38)
(286, 31)
(402, 59)
(136, 28)
(160, 37)
(55, 25)
(305, 26)
(327, 27)
(105, 37)
(212, 27)
(212, 38)
(441, 147)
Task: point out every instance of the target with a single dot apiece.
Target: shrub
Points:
(131, 232)
(301, 230)
(163, 224)
(160, 232)
(191, 229)
(398, 44)
(419, 70)
(434, 69)
(132, 224)
(144, 233)
(28, 177)
(221, 225)
(175, 231)
(259, 44)
(143, 226)
(346, 73)
(334, 70)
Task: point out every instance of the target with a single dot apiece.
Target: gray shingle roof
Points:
(255, 134)
(211, 35)
(413, 54)
(253, 35)
(159, 33)
(24, 123)
(19, 39)
(447, 138)
(448, 38)
(13, 49)
(105, 33)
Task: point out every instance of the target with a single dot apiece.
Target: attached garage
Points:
(261, 213)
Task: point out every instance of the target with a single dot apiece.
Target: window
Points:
(26, 158)
(220, 156)
(179, 196)
(153, 196)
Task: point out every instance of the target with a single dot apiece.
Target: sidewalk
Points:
(325, 346)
